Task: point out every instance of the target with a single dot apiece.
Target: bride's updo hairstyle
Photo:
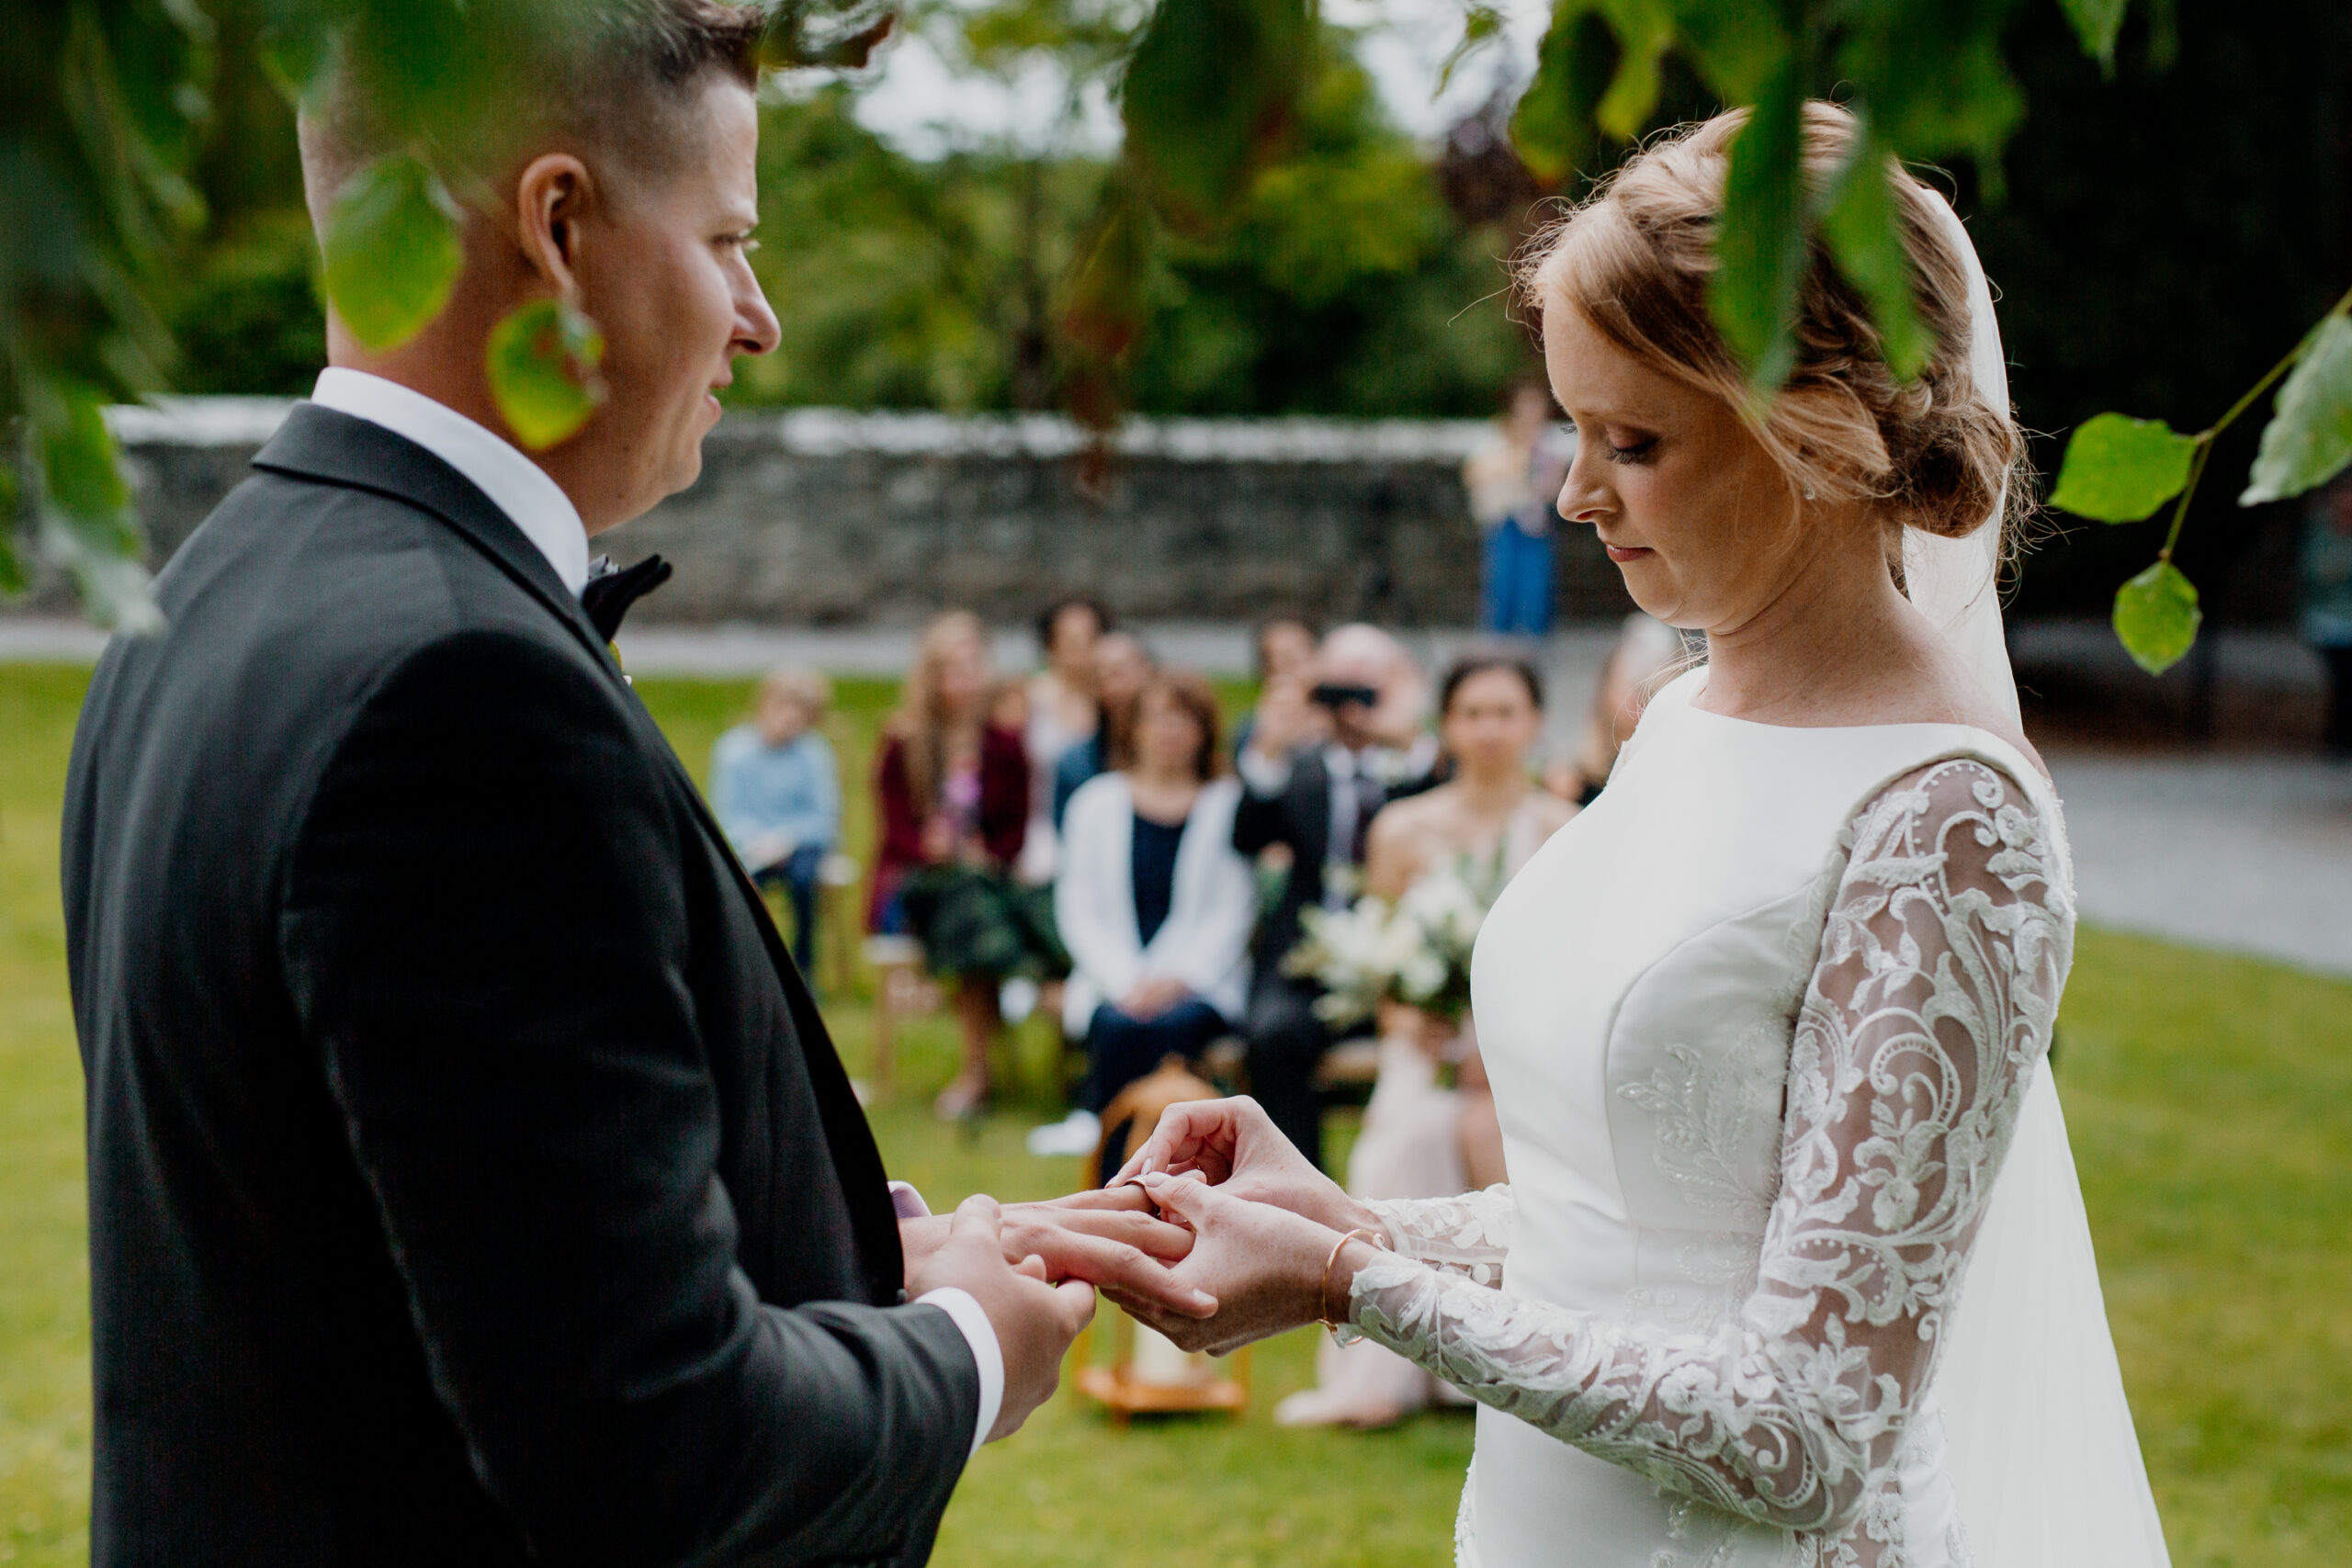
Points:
(1634, 260)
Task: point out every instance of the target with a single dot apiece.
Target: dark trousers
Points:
(2338, 738)
(1286, 1043)
(797, 874)
(1121, 1048)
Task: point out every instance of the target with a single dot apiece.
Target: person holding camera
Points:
(1328, 748)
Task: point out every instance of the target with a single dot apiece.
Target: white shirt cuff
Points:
(980, 1334)
(1262, 776)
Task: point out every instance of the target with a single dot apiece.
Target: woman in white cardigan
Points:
(1153, 903)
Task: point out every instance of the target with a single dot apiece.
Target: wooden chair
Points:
(838, 916)
(1147, 1375)
(900, 989)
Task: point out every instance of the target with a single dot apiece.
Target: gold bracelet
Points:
(1370, 1238)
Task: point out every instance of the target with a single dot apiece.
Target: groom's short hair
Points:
(620, 77)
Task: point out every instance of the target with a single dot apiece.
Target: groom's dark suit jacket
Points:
(471, 1179)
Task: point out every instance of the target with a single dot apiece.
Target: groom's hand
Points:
(1035, 1321)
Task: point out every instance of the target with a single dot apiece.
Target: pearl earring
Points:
(1808, 489)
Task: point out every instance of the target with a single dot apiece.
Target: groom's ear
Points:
(553, 195)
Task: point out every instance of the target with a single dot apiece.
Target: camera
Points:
(1335, 695)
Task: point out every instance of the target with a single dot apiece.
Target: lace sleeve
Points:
(1465, 1236)
(1931, 1003)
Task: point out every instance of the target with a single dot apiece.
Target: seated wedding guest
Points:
(1280, 647)
(777, 792)
(1121, 665)
(1330, 746)
(1421, 1139)
(951, 798)
(1646, 653)
(1061, 714)
(1153, 903)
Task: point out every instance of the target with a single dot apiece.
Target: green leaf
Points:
(2096, 23)
(391, 251)
(1554, 128)
(293, 51)
(79, 473)
(1760, 246)
(2118, 469)
(542, 367)
(2309, 437)
(1864, 236)
(1644, 28)
(1480, 26)
(2156, 617)
(12, 565)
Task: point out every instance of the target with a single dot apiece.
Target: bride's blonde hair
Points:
(1634, 260)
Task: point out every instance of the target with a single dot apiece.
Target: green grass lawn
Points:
(2210, 1100)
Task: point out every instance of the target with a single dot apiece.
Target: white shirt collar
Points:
(516, 485)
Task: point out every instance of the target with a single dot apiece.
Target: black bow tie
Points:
(611, 590)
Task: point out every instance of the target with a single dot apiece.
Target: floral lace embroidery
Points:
(1466, 1235)
(1930, 1006)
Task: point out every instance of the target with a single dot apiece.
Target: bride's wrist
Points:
(1335, 1286)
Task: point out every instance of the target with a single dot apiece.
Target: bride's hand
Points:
(1233, 1146)
(1109, 1239)
(1264, 1266)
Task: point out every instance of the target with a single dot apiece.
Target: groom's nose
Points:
(756, 331)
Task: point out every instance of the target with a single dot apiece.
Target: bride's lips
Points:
(1621, 554)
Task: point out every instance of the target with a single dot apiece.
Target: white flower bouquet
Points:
(1415, 948)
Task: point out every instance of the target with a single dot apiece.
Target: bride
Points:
(1792, 1265)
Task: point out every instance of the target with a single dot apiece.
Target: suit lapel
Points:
(336, 448)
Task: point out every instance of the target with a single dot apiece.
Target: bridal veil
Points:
(2044, 1454)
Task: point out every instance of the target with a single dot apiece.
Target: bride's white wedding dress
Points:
(1754, 1100)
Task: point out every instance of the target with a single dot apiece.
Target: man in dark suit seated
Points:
(471, 1179)
(1327, 749)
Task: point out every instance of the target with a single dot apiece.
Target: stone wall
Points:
(820, 517)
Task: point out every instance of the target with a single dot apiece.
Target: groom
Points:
(471, 1179)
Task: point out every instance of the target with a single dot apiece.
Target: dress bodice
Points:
(1638, 989)
(1636, 986)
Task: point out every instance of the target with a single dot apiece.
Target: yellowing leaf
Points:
(542, 367)
(2309, 437)
(2156, 617)
(391, 251)
(2118, 469)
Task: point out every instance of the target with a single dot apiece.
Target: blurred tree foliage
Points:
(2162, 205)
(1345, 284)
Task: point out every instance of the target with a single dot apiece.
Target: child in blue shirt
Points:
(777, 792)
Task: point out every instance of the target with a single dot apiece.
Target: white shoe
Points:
(1329, 1407)
(1078, 1134)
